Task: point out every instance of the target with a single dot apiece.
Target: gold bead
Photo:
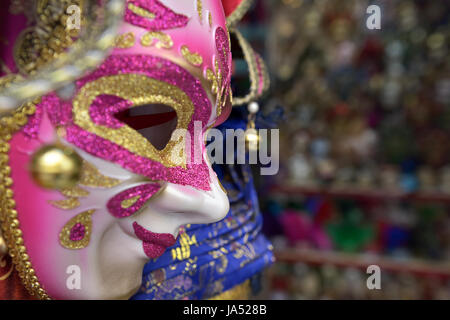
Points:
(3, 246)
(56, 167)
(252, 139)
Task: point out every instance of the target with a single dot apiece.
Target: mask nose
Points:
(176, 205)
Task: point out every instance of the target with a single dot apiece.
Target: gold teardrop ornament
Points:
(76, 233)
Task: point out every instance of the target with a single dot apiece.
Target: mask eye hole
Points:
(155, 122)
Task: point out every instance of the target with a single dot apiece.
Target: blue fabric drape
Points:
(210, 259)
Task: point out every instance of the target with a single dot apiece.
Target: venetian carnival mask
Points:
(135, 128)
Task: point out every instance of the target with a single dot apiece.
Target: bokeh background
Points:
(364, 147)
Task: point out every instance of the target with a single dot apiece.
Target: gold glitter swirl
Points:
(220, 90)
(140, 11)
(200, 10)
(220, 105)
(84, 218)
(91, 177)
(66, 204)
(192, 57)
(138, 89)
(210, 21)
(164, 40)
(125, 40)
(125, 204)
(212, 77)
(75, 192)
(215, 77)
(218, 72)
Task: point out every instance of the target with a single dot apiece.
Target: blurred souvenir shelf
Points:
(417, 267)
(362, 261)
(366, 133)
(312, 274)
(362, 194)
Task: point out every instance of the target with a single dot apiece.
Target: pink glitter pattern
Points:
(144, 191)
(59, 111)
(164, 17)
(77, 232)
(31, 129)
(223, 48)
(224, 53)
(104, 107)
(159, 69)
(196, 175)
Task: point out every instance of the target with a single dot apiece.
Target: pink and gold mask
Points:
(170, 69)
